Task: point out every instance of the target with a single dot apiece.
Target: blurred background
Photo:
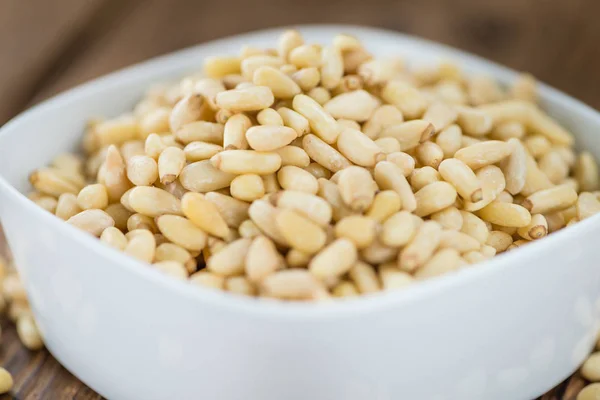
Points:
(47, 46)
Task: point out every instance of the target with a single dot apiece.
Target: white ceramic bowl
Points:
(508, 329)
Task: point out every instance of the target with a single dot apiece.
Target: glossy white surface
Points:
(509, 329)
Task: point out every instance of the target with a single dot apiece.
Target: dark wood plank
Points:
(55, 44)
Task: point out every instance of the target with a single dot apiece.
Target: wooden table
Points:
(47, 46)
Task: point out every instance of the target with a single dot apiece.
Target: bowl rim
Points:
(339, 308)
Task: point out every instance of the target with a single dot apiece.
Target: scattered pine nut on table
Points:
(310, 172)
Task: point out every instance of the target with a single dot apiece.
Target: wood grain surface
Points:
(47, 46)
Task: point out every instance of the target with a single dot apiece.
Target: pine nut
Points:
(320, 95)
(515, 167)
(357, 188)
(240, 285)
(444, 261)
(359, 148)
(434, 197)
(269, 117)
(300, 232)
(536, 229)
(410, 133)
(524, 88)
(233, 211)
(474, 227)
(252, 63)
(344, 289)
(590, 392)
(586, 172)
(292, 155)
(556, 198)
(170, 164)
(324, 154)
(202, 177)
(499, 240)
(294, 120)
(537, 145)
(182, 231)
(269, 138)
(307, 78)
(402, 160)
(334, 260)
(297, 179)
(174, 252)
(282, 86)
(394, 279)
(116, 131)
(142, 170)
(297, 259)
(385, 204)
(262, 259)
(246, 162)
(484, 153)
(234, 133)
(92, 221)
(474, 122)
(483, 90)
(312, 207)
(248, 187)
(291, 284)
(505, 214)
(388, 145)
(587, 205)
(204, 214)
(389, 176)
(140, 221)
(50, 181)
(208, 279)
(463, 178)
(141, 245)
(507, 130)
(305, 56)
(6, 381)
(332, 67)
(440, 115)
(449, 218)
(380, 70)
(172, 268)
(253, 98)
(217, 67)
(230, 260)
(152, 201)
(264, 215)
(321, 122)
(29, 333)
(364, 277)
(408, 99)
(187, 110)
(67, 206)
(318, 171)
(199, 151)
(398, 229)
(204, 131)
(421, 247)
(542, 124)
(131, 149)
(358, 229)
(383, 117)
(357, 105)
(554, 167)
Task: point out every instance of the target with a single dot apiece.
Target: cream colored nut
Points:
(429, 154)
(364, 277)
(142, 170)
(357, 105)
(458, 240)
(208, 279)
(318, 171)
(119, 214)
(505, 214)
(293, 155)
(141, 245)
(358, 229)
(29, 333)
(182, 231)
(262, 259)
(249, 99)
(291, 284)
(380, 70)
(590, 369)
(449, 140)
(252, 63)
(6, 381)
(152, 201)
(288, 40)
(208, 88)
(198, 151)
(114, 238)
(383, 117)
(305, 56)
(537, 145)
(53, 182)
(132, 148)
(170, 164)
(449, 218)
(230, 260)
(542, 124)
(13, 289)
(67, 206)
(590, 392)
(307, 78)
(246, 162)
(408, 99)
(203, 177)
(332, 67)
(92, 221)
(515, 167)
(234, 133)
(404, 161)
(442, 262)
(524, 88)
(394, 279)
(410, 133)
(434, 197)
(499, 240)
(204, 214)
(312, 207)
(385, 204)
(282, 86)
(324, 154)
(269, 117)
(300, 232)
(297, 259)
(549, 200)
(474, 122)
(320, 95)
(389, 176)
(334, 260)
(359, 148)
(484, 153)
(203, 131)
(422, 177)
(421, 247)
(474, 227)
(154, 145)
(240, 285)
(233, 211)
(586, 172)
(587, 205)
(172, 268)
(218, 67)
(294, 120)
(173, 252)
(554, 167)
(357, 188)
(321, 122)
(388, 145)
(344, 289)
(398, 230)
(440, 115)
(116, 131)
(536, 229)
(247, 187)
(264, 215)
(269, 138)
(93, 196)
(463, 178)
(187, 110)
(297, 179)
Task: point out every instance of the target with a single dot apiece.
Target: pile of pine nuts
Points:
(307, 172)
